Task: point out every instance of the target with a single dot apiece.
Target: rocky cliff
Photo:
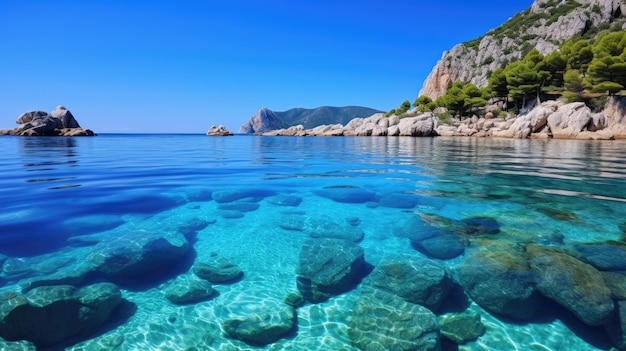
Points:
(265, 120)
(544, 26)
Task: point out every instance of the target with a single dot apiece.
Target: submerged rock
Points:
(21, 345)
(259, 323)
(616, 282)
(15, 267)
(473, 226)
(295, 300)
(434, 239)
(50, 314)
(398, 201)
(285, 200)
(351, 195)
(416, 280)
(605, 256)
(444, 247)
(384, 321)
(217, 270)
(573, 284)
(184, 289)
(135, 254)
(499, 279)
(480, 226)
(250, 195)
(326, 227)
(293, 223)
(461, 328)
(328, 267)
(72, 275)
(91, 224)
(241, 206)
(616, 328)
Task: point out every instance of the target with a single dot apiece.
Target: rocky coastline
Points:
(551, 119)
(60, 122)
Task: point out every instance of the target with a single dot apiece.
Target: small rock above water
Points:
(60, 122)
(218, 131)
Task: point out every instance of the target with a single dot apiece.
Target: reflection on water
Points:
(47, 155)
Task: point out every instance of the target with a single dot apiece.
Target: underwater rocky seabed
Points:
(376, 231)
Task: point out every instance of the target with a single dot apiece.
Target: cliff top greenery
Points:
(517, 27)
(580, 70)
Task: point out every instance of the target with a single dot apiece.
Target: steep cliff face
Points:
(263, 121)
(544, 26)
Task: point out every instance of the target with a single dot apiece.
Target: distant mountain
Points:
(265, 119)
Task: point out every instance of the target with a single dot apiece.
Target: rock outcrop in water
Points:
(59, 122)
(218, 131)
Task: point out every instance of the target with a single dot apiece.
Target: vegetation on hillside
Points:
(311, 118)
(580, 70)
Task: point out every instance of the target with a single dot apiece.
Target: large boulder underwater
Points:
(48, 315)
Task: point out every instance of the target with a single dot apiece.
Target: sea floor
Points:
(557, 194)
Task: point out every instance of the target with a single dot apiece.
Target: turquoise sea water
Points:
(55, 190)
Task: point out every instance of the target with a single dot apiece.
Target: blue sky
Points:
(182, 66)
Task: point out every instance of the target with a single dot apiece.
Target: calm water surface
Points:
(55, 190)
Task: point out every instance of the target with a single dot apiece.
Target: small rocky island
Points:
(60, 122)
(218, 131)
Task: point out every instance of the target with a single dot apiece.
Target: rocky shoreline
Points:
(551, 119)
(60, 122)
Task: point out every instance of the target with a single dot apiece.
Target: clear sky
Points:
(182, 66)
